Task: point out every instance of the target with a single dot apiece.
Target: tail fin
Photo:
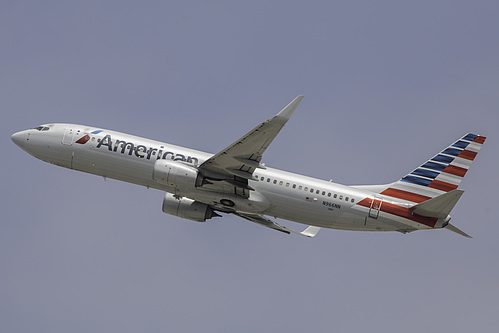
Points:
(439, 175)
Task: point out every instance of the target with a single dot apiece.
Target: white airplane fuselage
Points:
(274, 192)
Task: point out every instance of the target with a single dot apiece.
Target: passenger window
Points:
(346, 198)
(268, 180)
(317, 192)
(311, 190)
(323, 192)
(262, 178)
(335, 195)
(280, 183)
(341, 197)
(352, 200)
(287, 184)
(306, 189)
(300, 187)
(93, 138)
(329, 194)
(275, 181)
(294, 185)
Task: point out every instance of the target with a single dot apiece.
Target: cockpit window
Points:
(42, 128)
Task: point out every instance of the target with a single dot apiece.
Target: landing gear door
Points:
(68, 137)
(375, 207)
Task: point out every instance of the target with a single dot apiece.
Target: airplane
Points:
(199, 186)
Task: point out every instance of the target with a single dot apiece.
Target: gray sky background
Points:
(387, 84)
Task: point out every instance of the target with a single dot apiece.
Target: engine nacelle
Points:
(187, 208)
(175, 174)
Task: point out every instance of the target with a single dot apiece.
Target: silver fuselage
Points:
(276, 193)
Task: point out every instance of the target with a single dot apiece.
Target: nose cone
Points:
(19, 138)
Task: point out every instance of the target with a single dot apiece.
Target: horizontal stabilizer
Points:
(456, 230)
(439, 207)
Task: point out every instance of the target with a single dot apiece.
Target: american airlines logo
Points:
(84, 139)
(140, 151)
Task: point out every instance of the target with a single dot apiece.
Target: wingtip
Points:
(288, 111)
(298, 99)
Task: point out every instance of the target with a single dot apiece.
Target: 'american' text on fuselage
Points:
(142, 151)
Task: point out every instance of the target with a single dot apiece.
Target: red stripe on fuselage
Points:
(403, 212)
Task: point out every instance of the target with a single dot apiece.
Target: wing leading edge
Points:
(311, 231)
(236, 163)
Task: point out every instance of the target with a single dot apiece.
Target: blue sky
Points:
(387, 85)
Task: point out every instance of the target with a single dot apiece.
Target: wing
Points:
(235, 165)
(311, 231)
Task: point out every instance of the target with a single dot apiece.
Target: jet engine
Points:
(187, 208)
(175, 174)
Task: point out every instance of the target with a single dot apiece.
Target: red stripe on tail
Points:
(409, 196)
(480, 139)
(455, 170)
(442, 186)
(467, 154)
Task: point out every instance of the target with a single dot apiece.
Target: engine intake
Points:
(175, 174)
(187, 208)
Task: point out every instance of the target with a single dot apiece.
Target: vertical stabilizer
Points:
(439, 175)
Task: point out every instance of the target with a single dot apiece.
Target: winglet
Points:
(311, 231)
(287, 112)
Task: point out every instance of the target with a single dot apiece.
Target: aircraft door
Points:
(68, 137)
(375, 207)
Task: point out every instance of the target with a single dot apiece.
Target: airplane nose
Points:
(18, 138)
